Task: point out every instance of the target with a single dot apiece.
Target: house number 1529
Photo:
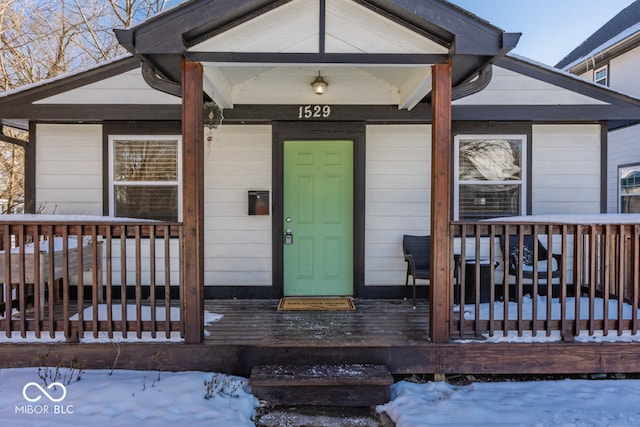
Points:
(314, 111)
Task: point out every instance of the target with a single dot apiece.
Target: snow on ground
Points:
(123, 398)
(133, 398)
(566, 403)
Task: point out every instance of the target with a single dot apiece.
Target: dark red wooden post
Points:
(440, 202)
(193, 201)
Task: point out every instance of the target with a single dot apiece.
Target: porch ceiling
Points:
(402, 85)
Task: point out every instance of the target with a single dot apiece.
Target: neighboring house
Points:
(424, 119)
(611, 57)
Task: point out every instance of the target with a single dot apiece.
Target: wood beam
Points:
(440, 203)
(193, 202)
(319, 58)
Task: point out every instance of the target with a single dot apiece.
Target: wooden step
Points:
(322, 385)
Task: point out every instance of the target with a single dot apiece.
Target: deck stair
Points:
(322, 385)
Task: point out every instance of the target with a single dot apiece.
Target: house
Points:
(289, 160)
(610, 57)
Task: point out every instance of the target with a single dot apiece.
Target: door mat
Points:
(316, 304)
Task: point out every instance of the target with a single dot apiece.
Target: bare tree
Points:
(45, 39)
(11, 170)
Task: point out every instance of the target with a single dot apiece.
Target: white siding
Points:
(623, 149)
(398, 183)
(623, 72)
(511, 88)
(145, 263)
(566, 169)
(126, 88)
(69, 169)
(237, 246)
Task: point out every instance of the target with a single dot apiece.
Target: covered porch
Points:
(599, 258)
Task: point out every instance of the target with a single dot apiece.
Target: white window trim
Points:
(112, 183)
(456, 169)
(595, 73)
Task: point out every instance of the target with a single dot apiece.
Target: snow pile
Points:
(126, 398)
(543, 403)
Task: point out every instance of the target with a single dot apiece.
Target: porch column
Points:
(193, 202)
(440, 202)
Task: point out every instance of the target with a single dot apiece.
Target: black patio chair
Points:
(528, 261)
(417, 253)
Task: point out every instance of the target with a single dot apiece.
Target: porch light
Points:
(319, 85)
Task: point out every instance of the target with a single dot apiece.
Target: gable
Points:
(348, 28)
(318, 27)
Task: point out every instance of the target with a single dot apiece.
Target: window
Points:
(601, 75)
(629, 190)
(489, 176)
(145, 177)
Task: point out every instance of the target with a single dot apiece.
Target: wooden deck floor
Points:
(380, 332)
(379, 322)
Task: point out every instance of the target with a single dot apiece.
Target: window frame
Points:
(143, 137)
(602, 81)
(522, 182)
(619, 183)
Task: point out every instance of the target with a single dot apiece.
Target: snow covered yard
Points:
(133, 398)
(534, 403)
(123, 398)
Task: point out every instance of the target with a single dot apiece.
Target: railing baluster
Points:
(123, 280)
(80, 280)
(109, 279)
(607, 279)
(463, 276)
(138, 282)
(37, 279)
(51, 281)
(8, 281)
(152, 278)
(476, 281)
(635, 276)
(492, 276)
(594, 277)
(95, 289)
(167, 281)
(22, 285)
(66, 309)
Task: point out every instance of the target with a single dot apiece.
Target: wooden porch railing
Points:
(98, 277)
(596, 291)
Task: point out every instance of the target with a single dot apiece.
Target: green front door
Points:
(318, 218)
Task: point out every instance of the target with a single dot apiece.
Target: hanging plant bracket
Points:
(213, 115)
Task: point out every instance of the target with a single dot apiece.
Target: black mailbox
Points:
(258, 203)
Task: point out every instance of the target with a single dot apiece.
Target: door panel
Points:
(318, 209)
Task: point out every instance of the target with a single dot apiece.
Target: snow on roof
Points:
(604, 46)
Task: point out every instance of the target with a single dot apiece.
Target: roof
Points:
(627, 18)
(164, 39)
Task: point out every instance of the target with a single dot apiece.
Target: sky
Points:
(550, 28)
